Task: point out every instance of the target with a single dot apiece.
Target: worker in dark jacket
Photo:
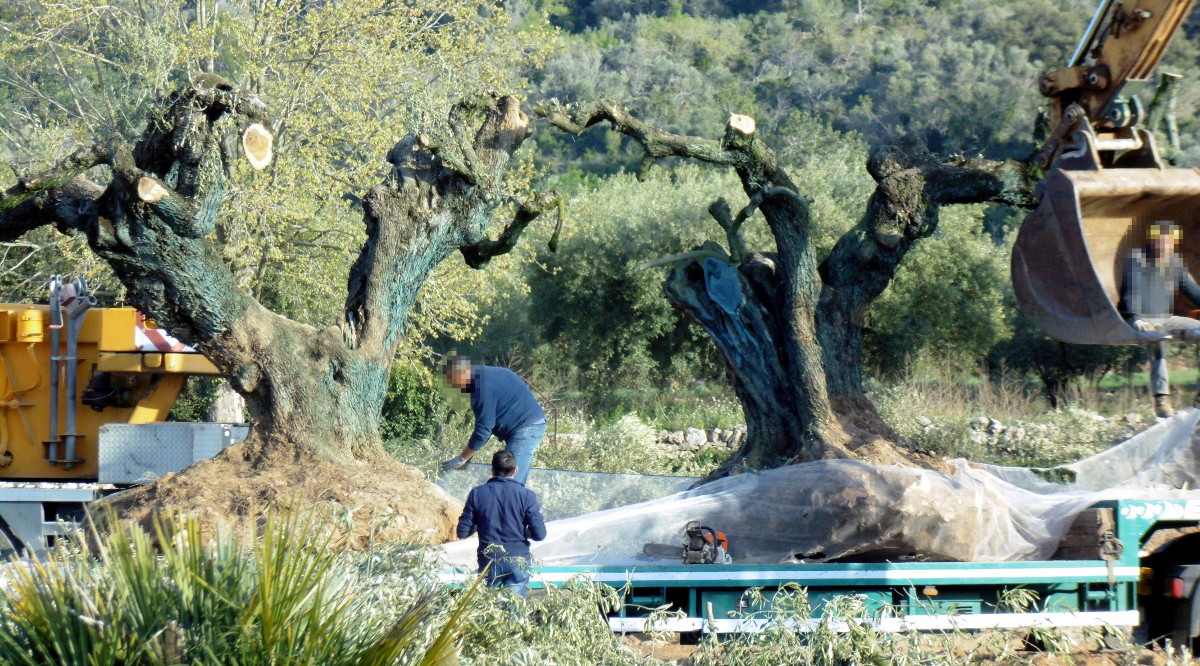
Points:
(506, 514)
(1153, 275)
(504, 406)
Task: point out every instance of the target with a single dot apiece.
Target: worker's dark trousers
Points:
(1182, 329)
(510, 572)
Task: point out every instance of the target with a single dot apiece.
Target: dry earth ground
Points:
(365, 501)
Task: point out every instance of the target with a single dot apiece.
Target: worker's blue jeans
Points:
(1182, 329)
(510, 572)
(522, 443)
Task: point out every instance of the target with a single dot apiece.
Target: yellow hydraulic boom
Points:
(1104, 181)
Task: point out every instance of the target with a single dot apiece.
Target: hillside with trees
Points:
(827, 83)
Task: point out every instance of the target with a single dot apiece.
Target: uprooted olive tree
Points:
(788, 322)
(147, 207)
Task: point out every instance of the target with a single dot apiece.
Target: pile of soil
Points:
(366, 500)
(870, 439)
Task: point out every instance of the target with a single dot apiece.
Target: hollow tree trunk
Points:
(751, 339)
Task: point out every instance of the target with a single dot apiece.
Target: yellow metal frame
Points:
(107, 343)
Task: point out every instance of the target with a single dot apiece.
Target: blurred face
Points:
(459, 379)
(1164, 245)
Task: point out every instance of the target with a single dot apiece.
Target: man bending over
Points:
(504, 406)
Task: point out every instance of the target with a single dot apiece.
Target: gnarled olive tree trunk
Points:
(789, 323)
(150, 208)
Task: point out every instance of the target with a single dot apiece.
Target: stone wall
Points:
(694, 440)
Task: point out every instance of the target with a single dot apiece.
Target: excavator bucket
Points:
(1070, 252)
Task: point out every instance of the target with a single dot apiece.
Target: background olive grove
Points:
(826, 80)
(826, 83)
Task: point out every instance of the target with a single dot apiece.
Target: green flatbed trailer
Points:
(1112, 590)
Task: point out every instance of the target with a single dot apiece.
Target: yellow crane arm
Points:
(1124, 42)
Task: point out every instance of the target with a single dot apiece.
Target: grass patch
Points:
(699, 406)
(937, 415)
(625, 446)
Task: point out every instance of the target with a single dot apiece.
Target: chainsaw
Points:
(703, 545)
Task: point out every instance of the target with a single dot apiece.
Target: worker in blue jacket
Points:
(504, 406)
(507, 515)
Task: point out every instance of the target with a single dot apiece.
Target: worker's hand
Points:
(457, 462)
(1144, 326)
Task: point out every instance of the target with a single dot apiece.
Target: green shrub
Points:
(413, 396)
(130, 597)
(599, 312)
(961, 271)
(1059, 366)
(193, 401)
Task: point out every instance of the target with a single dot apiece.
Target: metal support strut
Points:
(75, 300)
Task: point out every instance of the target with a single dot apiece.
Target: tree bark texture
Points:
(148, 208)
(788, 323)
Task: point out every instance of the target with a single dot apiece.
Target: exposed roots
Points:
(872, 440)
(364, 501)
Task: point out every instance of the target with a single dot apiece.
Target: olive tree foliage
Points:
(170, 205)
(960, 75)
(946, 305)
(343, 81)
(602, 312)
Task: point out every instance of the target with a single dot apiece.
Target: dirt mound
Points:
(871, 440)
(378, 499)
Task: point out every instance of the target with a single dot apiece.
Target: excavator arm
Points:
(1104, 182)
(1123, 42)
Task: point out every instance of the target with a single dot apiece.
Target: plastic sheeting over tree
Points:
(847, 510)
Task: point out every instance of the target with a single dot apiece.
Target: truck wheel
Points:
(1181, 628)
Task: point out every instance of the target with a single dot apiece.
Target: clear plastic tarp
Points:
(843, 509)
(565, 493)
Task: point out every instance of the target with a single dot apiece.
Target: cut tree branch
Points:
(785, 210)
(147, 230)
(656, 143)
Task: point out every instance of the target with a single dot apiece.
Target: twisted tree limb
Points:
(80, 160)
(656, 143)
(478, 254)
(911, 187)
(437, 199)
